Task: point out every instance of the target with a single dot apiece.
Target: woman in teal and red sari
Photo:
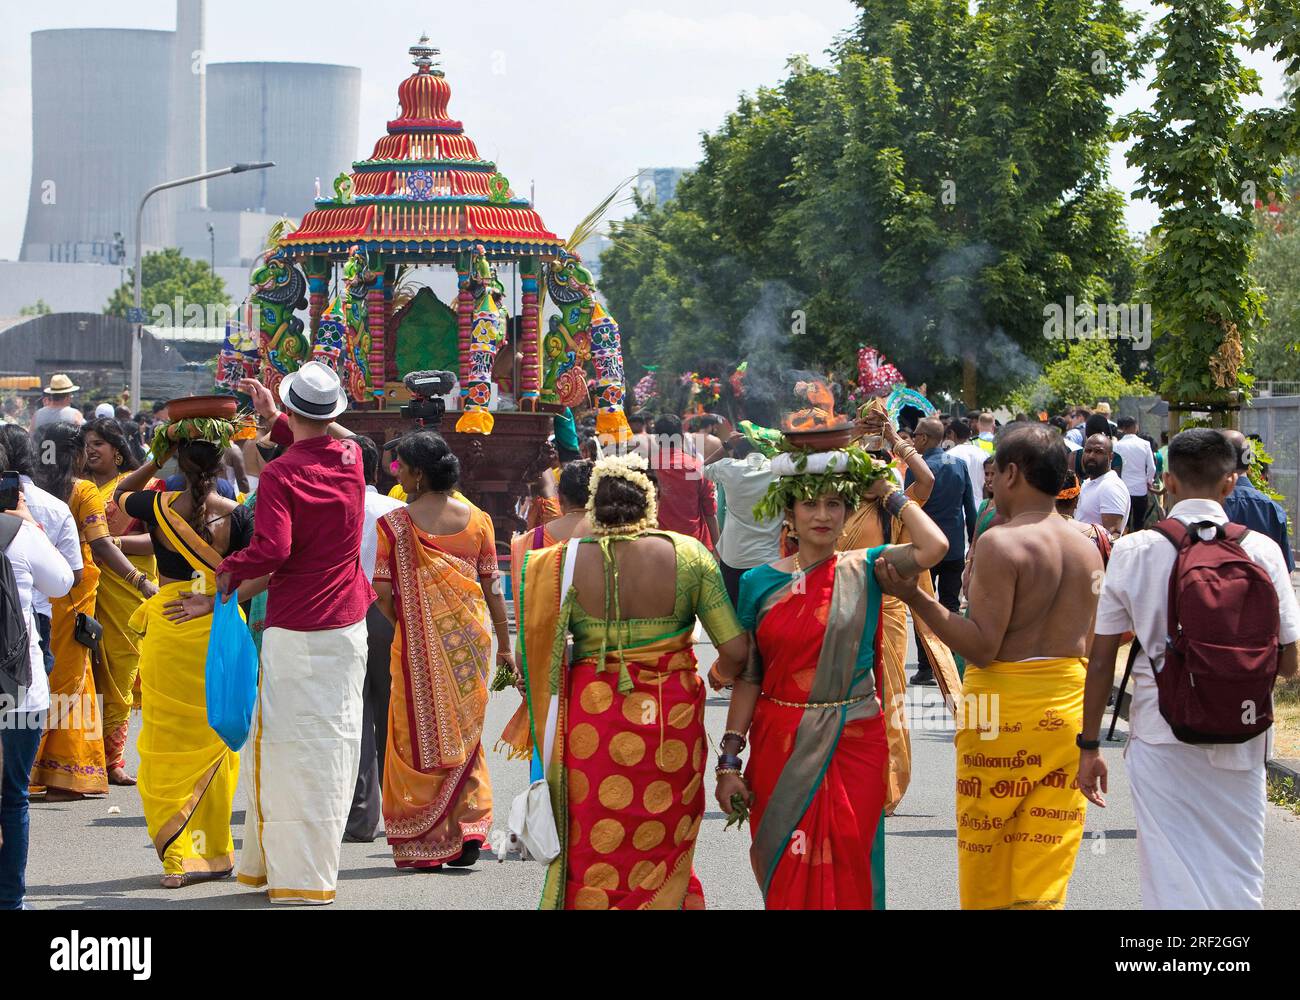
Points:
(807, 702)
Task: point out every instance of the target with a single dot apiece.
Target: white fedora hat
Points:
(314, 391)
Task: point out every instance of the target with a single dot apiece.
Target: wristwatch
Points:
(1083, 744)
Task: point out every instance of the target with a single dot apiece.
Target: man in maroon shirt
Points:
(306, 739)
(687, 503)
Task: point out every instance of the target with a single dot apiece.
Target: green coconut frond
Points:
(405, 287)
(591, 223)
(281, 228)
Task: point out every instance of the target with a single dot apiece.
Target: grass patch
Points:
(1283, 793)
(1286, 719)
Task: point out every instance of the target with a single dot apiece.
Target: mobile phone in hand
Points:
(10, 484)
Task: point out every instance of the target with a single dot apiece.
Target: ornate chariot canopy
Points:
(425, 193)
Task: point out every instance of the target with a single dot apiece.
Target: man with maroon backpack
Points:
(1212, 608)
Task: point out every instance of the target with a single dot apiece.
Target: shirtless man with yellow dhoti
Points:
(1033, 598)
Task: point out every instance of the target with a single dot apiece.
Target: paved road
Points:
(95, 855)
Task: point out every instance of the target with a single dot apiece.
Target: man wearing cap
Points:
(305, 744)
(58, 408)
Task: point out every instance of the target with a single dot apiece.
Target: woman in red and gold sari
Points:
(623, 727)
(436, 579)
(808, 698)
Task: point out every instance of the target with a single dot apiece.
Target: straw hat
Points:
(61, 385)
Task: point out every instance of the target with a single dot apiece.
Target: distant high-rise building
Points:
(657, 185)
(115, 112)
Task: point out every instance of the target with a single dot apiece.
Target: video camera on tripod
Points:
(427, 390)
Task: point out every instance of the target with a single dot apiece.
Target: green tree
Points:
(1086, 374)
(172, 280)
(1205, 162)
(929, 193)
(39, 308)
(1276, 269)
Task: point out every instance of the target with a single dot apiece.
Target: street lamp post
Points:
(137, 314)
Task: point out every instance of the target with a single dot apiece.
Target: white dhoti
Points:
(303, 751)
(1200, 829)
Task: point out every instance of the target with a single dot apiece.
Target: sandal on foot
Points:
(192, 878)
(468, 856)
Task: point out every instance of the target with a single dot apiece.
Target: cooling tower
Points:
(100, 128)
(304, 116)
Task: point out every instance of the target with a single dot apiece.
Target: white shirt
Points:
(55, 517)
(1135, 598)
(377, 505)
(745, 542)
(1139, 464)
(1075, 436)
(974, 456)
(1107, 495)
(48, 415)
(37, 566)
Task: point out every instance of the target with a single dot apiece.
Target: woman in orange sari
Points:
(808, 700)
(870, 526)
(70, 763)
(436, 580)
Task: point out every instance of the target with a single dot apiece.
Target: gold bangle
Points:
(727, 770)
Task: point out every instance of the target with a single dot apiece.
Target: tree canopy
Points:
(1206, 163)
(928, 193)
(168, 277)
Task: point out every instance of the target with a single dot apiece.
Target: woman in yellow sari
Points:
(70, 763)
(436, 580)
(108, 458)
(868, 527)
(623, 726)
(187, 774)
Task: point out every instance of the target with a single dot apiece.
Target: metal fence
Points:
(1273, 414)
(1276, 419)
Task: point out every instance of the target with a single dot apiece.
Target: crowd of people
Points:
(1021, 553)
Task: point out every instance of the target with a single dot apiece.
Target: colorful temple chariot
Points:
(424, 197)
(427, 198)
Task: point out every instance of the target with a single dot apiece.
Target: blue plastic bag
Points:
(231, 681)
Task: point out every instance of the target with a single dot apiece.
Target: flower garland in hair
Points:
(632, 468)
(849, 473)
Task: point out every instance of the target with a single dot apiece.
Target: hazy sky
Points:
(575, 96)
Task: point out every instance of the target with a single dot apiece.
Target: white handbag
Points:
(532, 820)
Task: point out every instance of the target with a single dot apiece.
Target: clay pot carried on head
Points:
(190, 407)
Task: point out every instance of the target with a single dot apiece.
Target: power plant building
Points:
(116, 111)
